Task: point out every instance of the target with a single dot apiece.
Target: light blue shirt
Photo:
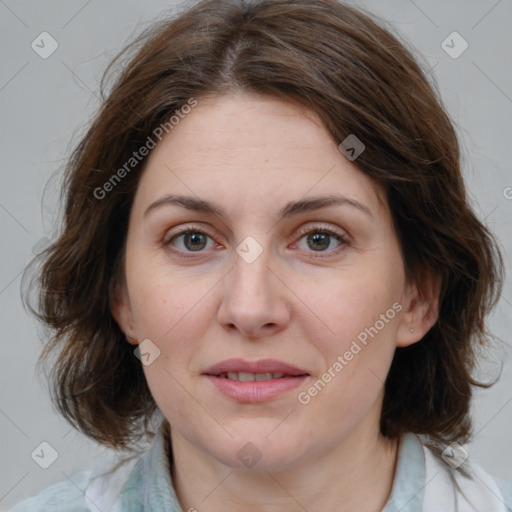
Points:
(421, 484)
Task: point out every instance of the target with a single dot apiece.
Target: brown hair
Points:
(359, 79)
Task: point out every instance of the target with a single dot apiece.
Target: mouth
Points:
(230, 368)
(257, 381)
(251, 377)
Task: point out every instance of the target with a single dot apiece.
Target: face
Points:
(308, 298)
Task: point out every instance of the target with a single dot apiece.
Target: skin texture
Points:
(295, 303)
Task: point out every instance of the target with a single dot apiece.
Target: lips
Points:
(257, 381)
(278, 369)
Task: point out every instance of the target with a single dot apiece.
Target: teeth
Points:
(262, 376)
(250, 377)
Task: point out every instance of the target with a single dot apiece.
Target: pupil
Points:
(196, 239)
(319, 237)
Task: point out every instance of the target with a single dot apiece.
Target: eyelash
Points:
(302, 232)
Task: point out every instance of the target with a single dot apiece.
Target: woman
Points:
(267, 245)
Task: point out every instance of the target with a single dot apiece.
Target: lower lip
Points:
(255, 391)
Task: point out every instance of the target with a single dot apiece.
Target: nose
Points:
(255, 298)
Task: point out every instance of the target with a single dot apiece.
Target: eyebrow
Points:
(290, 209)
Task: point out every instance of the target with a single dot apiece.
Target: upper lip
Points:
(260, 366)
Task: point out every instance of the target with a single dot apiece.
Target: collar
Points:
(409, 481)
(159, 493)
(145, 483)
(406, 493)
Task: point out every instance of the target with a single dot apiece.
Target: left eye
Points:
(319, 239)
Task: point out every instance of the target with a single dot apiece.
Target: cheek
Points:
(358, 322)
(348, 308)
(161, 302)
(174, 315)
(170, 390)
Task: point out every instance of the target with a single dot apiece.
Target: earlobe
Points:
(421, 309)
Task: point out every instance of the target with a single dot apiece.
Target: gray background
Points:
(45, 103)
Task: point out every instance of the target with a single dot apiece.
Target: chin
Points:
(253, 451)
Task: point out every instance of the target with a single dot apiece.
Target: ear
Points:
(421, 308)
(121, 310)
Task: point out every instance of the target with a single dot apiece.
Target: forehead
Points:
(255, 149)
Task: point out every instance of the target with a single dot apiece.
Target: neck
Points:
(337, 481)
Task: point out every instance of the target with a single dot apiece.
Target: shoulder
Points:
(484, 488)
(505, 487)
(464, 483)
(64, 496)
(89, 491)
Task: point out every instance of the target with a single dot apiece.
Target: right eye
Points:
(193, 240)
